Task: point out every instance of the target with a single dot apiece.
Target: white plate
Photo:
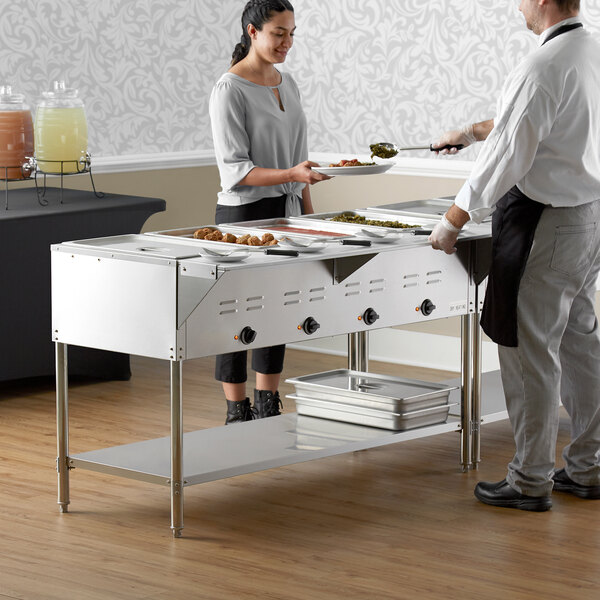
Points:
(226, 258)
(301, 246)
(364, 170)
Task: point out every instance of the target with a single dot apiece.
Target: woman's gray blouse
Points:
(250, 130)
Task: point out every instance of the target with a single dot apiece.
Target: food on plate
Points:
(350, 218)
(382, 151)
(215, 235)
(354, 162)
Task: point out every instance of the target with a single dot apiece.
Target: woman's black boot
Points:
(267, 403)
(239, 411)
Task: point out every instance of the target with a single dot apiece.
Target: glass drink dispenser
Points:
(16, 134)
(60, 131)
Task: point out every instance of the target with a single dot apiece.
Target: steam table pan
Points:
(338, 411)
(371, 391)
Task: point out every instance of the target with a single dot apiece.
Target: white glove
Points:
(464, 136)
(444, 236)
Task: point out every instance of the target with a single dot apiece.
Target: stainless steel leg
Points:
(62, 426)
(466, 392)
(476, 405)
(176, 450)
(363, 351)
(353, 351)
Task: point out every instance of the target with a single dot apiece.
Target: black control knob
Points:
(427, 307)
(370, 316)
(310, 325)
(248, 335)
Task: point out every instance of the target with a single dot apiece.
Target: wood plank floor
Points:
(389, 523)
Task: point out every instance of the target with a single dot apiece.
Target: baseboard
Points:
(412, 348)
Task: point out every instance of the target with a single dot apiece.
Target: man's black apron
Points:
(513, 227)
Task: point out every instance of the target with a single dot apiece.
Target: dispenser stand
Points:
(25, 171)
(83, 165)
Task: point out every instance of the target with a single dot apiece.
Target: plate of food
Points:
(354, 167)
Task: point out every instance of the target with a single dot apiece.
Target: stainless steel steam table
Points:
(164, 297)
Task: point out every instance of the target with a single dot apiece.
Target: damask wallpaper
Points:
(397, 70)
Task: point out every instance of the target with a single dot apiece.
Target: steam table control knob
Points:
(310, 326)
(370, 316)
(248, 335)
(427, 307)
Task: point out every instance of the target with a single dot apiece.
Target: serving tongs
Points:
(391, 150)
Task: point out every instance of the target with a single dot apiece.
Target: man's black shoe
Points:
(563, 483)
(501, 494)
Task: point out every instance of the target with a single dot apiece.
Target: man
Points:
(539, 173)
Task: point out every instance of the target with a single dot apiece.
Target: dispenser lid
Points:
(60, 90)
(10, 100)
(61, 96)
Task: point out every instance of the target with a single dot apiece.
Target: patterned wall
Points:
(400, 70)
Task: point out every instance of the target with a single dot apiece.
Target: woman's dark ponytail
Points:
(257, 12)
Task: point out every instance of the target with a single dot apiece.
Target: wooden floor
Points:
(394, 522)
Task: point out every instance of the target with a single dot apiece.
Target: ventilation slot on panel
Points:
(293, 297)
(317, 290)
(434, 279)
(256, 303)
(228, 306)
(377, 285)
(411, 280)
(353, 289)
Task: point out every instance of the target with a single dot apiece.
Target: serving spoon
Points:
(389, 150)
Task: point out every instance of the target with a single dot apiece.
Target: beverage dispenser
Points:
(16, 134)
(60, 131)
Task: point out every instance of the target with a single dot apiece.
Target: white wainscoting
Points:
(445, 167)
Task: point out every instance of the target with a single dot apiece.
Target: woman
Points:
(259, 133)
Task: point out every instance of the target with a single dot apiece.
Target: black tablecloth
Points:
(26, 232)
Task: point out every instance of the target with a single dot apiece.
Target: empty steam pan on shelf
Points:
(349, 413)
(372, 391)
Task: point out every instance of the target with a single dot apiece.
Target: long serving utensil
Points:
(389, 150)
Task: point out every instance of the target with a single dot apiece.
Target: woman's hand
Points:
(302, 173)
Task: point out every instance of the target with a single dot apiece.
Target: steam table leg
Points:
(466, 457)
(62, 426)
(476, 395)
(176, 450)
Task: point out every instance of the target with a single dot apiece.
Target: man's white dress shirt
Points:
(546, 136)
